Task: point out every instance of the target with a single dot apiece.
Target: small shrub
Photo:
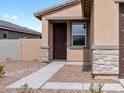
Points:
(26, 89)
(2, 71)
(96, 88)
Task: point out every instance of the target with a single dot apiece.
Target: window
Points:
(5, 35)
(79, 34)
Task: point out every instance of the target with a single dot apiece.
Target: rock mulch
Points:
(51, 91)
(69, 73)
(76, 73)
(17, 70)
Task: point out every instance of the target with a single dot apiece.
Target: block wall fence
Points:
(20, 49)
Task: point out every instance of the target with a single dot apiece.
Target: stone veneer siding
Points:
(45, 54)
(105, 61)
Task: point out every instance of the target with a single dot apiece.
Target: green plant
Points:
(26, 89)
(96, 87)
(2, 71)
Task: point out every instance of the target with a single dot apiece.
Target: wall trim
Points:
(119, 1)
(67, 18)
(106, 47)
(45, 47)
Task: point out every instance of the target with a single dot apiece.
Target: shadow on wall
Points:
(87, 66)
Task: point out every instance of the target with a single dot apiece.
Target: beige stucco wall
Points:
(70, 11)
(106, 24)
(30, 49)
(91, 25)
(51, 40)
(78, 55)
(45, 30)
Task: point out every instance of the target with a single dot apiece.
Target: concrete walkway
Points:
(39, 78)
(81, 86)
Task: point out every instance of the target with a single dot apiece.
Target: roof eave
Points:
(51, 9)
(22, 31)
(37, 16)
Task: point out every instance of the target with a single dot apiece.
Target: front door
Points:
(60, 38)
(121, 41)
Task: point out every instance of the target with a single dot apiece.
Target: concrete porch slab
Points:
(78, 63)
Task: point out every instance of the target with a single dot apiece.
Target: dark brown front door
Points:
(121, 41)
(60, 38)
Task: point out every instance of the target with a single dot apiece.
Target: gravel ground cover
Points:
(69, 73)
(51, 91)
(75, 73)
(17, 70)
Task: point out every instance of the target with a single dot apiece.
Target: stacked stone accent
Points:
(105, 61)
(45, 54)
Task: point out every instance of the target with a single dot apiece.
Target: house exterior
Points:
(95, 38)
(12, 31)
